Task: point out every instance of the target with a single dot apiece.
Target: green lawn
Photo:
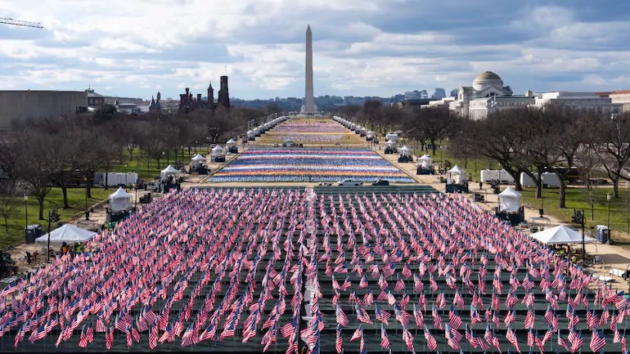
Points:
(16, 221)
(578, 199)
(138, 163)
(472, 166)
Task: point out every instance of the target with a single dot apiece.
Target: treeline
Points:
(39, 154)
(520, 140)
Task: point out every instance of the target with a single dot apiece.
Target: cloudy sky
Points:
(361, 47)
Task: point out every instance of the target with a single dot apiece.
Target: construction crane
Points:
(10, 21)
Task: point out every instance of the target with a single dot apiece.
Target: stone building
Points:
(94, 99)
(621, 97)
(31, 104)
(224, 93)
(485, 85)
(156, 104)
(579, 100)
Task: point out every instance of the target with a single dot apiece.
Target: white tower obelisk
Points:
(309, 100)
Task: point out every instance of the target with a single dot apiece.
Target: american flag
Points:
(598, 341)
(562, 342)
(511, 337)
(406, 230)
(431, 342)
(382, 315)
(339, 340)
(577, 341)
(357, 333)
(450, 339)
(408, 339)
(384, 338)
(454, 320)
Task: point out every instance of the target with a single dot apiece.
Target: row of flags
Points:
(206, 265)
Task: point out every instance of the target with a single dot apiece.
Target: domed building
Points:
(486, 93)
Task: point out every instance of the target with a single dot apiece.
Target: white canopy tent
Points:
(120, 200)
(510, 200)
(391, 143)
(198, 160)
(230, 143)
(404, 151)
(217, 151)
(168, 171)
(68, 234)
(560, 235)
(455, 175)
(425, 161)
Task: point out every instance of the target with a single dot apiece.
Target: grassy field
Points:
(472, 166)
(17, 221)
(138, 163)
(578, 199)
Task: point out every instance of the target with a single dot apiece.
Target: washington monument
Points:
(309, 100)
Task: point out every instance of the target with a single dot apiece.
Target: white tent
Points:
(170, 170)
(455, 175)
(68, 234)
(391, 143)
(509, 200)
(230, 143)
(198, 160)
(560, 235)
(120, 200)
(425, 161)
(217, 151)
(404, 151)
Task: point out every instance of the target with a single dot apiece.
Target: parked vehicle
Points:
(381, 182)
(326, 184)
(349, 183)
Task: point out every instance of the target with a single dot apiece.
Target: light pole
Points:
(52, 217)
(608, 224)
(87, 213)
(26, 210)
(125, 177)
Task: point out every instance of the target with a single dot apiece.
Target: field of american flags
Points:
(210, 269)
(309, 165)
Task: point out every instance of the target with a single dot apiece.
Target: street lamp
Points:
(87, 212)
(52, 217)
(608, 224)
(125, 177)
(26, 210)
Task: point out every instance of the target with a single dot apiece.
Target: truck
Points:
(502, 176)
(549, 179)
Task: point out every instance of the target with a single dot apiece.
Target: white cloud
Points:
(362, 47)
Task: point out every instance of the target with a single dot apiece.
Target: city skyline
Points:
(367, 48)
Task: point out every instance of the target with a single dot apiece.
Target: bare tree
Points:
(8, 193)
(132, 138)
(610, 139)
(371, 114)
(586, 159)
(572, 125)
(152, 144)
(541, 131)
(38, 170)
(462, 144)
(495, 139)
(435, 124)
